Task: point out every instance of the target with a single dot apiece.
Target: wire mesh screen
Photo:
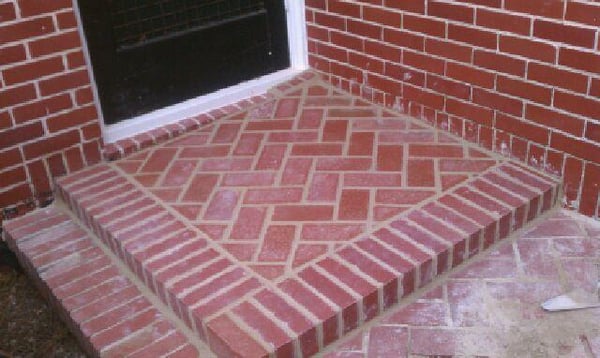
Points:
(135, 22)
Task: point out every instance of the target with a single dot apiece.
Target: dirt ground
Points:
(28, 327)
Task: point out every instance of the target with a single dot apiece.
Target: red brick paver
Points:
(283, 226)
(107, 311)
(491, 307)
(266, 169)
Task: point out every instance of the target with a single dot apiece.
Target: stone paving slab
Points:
(491, 306)
(282, 226)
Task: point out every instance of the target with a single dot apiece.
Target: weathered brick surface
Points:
(44, 116)
(517, 77)
(262, 240)
(108, 314)
(485, 307)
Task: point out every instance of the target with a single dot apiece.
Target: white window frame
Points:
(296, 25)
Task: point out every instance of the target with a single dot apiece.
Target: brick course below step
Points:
(106, 311)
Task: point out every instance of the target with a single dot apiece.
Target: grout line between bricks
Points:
(438, 280)
(124, 270)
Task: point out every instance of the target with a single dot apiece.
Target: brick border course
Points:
(392, 260)
(222, 301)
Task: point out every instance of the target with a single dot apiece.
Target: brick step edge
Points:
(328, 298)
(106, 312)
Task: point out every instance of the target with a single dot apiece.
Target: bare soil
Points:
(28, 326)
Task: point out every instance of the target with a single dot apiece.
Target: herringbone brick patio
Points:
(284, 225)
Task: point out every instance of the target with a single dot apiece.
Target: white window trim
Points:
(298, 62)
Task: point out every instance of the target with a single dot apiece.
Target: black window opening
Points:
(149, 54)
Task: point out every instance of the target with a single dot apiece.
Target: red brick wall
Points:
(521, 77)
(48, 121)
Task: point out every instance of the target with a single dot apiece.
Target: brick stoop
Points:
(239, 301)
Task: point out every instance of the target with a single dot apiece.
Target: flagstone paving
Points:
(290, 220)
